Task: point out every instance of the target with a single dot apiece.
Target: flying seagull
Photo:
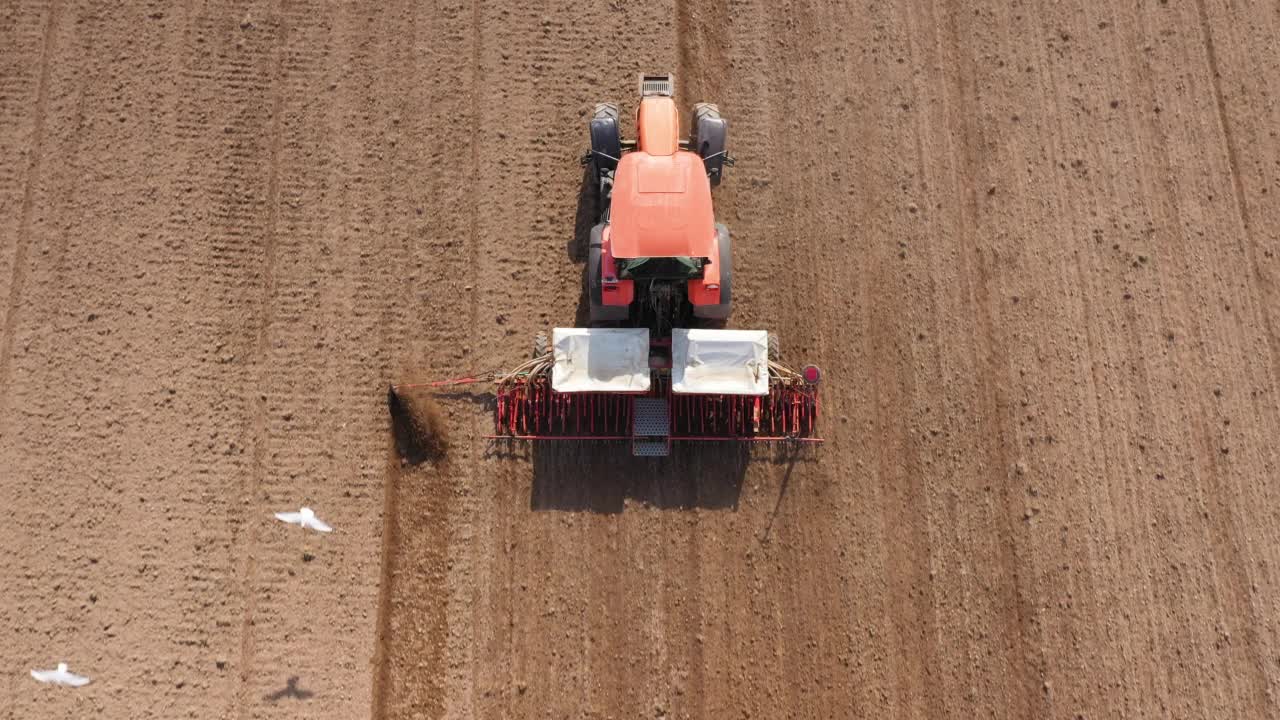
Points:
(306, 518)
(61, 676)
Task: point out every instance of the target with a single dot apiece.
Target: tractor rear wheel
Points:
(775, 350)
(599, 312)
(720, 313)
(540, 344)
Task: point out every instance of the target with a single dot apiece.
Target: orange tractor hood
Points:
(662, 207)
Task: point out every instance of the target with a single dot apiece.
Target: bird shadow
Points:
(290, 690)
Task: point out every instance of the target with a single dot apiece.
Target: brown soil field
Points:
(1033, 245)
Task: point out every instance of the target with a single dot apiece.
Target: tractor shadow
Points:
(585, 219)
(578, 245)
(582, 315)
(603, 477)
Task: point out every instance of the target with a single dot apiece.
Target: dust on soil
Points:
(1033, 247)
(418, 427)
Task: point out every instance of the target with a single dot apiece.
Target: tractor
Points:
(657, 364)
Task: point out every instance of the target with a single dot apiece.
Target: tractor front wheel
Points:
(710, 138)
(606, 149)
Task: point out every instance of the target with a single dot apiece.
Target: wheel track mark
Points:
(935, 168)
(391, 529)
(414, 671)
(1224, 543)
(469, 500)
(545, 238)
(1145, 383)
(512, 643)
(807, 653)
(1228, 542)
(386, 578)
(1168, 624)
(20, 37)
(755, 232)
(183, 614)
(1220, 105)
(700, 65)
(1097, 351)
(1227, 547)
(18, 276)
(477, 83)
(216, 264)
(693, 53)
(261, 350)
(925, 158)
(1248, 243)
(527, 643)
(327, 295)
(1114, 459)
(993, 400)
(1064, 206)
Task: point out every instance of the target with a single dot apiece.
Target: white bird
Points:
(306, 518)
(61, 676)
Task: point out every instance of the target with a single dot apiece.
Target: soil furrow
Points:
(1033, 248)
(22, 240)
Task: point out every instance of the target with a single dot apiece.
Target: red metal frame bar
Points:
(529, 409)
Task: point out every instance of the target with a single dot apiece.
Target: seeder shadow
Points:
(601, 477)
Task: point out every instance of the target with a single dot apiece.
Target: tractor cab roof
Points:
(662, 207)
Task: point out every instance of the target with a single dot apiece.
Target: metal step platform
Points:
(650, 428)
